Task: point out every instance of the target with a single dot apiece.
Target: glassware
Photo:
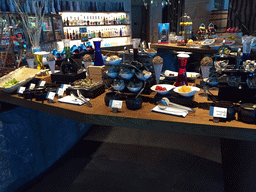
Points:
(247, 46)
(98, 61)
(182, 76)
(135, 45)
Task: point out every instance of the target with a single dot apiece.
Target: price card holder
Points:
(60, 92)
(41, 83)
(32, 86)
(217, 113)
(115, 105)
(50, 96)
(21, 90)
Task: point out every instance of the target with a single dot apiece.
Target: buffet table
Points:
(237, 138)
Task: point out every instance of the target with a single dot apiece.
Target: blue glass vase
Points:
(98, 61)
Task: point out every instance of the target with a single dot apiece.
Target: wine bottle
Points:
(69, 65)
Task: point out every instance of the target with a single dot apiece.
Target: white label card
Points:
(60, 91)
(50, 95)
(32, 86)
(42, 83)
(65, 86)
(116, 104)
(21, 90)
(220, 112)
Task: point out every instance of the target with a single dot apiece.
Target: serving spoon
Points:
(165, 103)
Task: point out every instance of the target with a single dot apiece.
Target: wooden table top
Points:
(199, 123)
(174, 46)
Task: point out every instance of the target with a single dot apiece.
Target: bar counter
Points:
(236, 138)
(174, 46)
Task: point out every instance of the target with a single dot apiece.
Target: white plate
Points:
(167, 86)
(207, 42)
(192, 75)
(167, 72)
(193, 91)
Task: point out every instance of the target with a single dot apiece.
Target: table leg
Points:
(239, 165)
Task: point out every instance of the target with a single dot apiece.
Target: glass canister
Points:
(185, 27)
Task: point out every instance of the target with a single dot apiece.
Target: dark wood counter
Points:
(174, 46)
(199, 123)
(237, 139)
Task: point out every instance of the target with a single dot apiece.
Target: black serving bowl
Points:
(29, 94)
(133, 103)
(40, 95)
(231, 111)
(247, 113)
(112, 96)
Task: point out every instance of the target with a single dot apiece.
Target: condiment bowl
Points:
(134, 89)
(193, 91)
(112, 75)
(142, 77)
(126, 75)
(167, 86)
(115, 62)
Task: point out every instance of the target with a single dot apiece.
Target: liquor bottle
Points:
(69, 65)
(65, 35)
(106, 21)
(85, 22)
(70, 21)
(67, 22)
(78, 21)
(64, 22)
(73, 35)
(121, 32)
(74, 21)
(114, 21)
(88, 21)
(77, 35)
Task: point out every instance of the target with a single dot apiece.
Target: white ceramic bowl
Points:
(167, 86)
(192, 75)
(193, 91)
(115, 62)
(112, 75)
(126, 75)
(134, 89)
(142, 77)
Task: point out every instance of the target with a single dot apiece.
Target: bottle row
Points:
(76, 34)
(95, 20)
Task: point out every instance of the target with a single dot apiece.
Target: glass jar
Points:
(185, 27)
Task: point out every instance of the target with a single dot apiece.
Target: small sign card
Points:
(50, 96)
(60, 92)
(116, 104)
(32, 86)
(219, 112)
(42, 83)
(21, 90)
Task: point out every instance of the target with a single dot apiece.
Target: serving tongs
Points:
(86, 100)
(165, 103)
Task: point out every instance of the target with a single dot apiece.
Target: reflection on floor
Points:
(109, 167)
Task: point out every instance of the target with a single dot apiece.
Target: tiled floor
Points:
(128, 167)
